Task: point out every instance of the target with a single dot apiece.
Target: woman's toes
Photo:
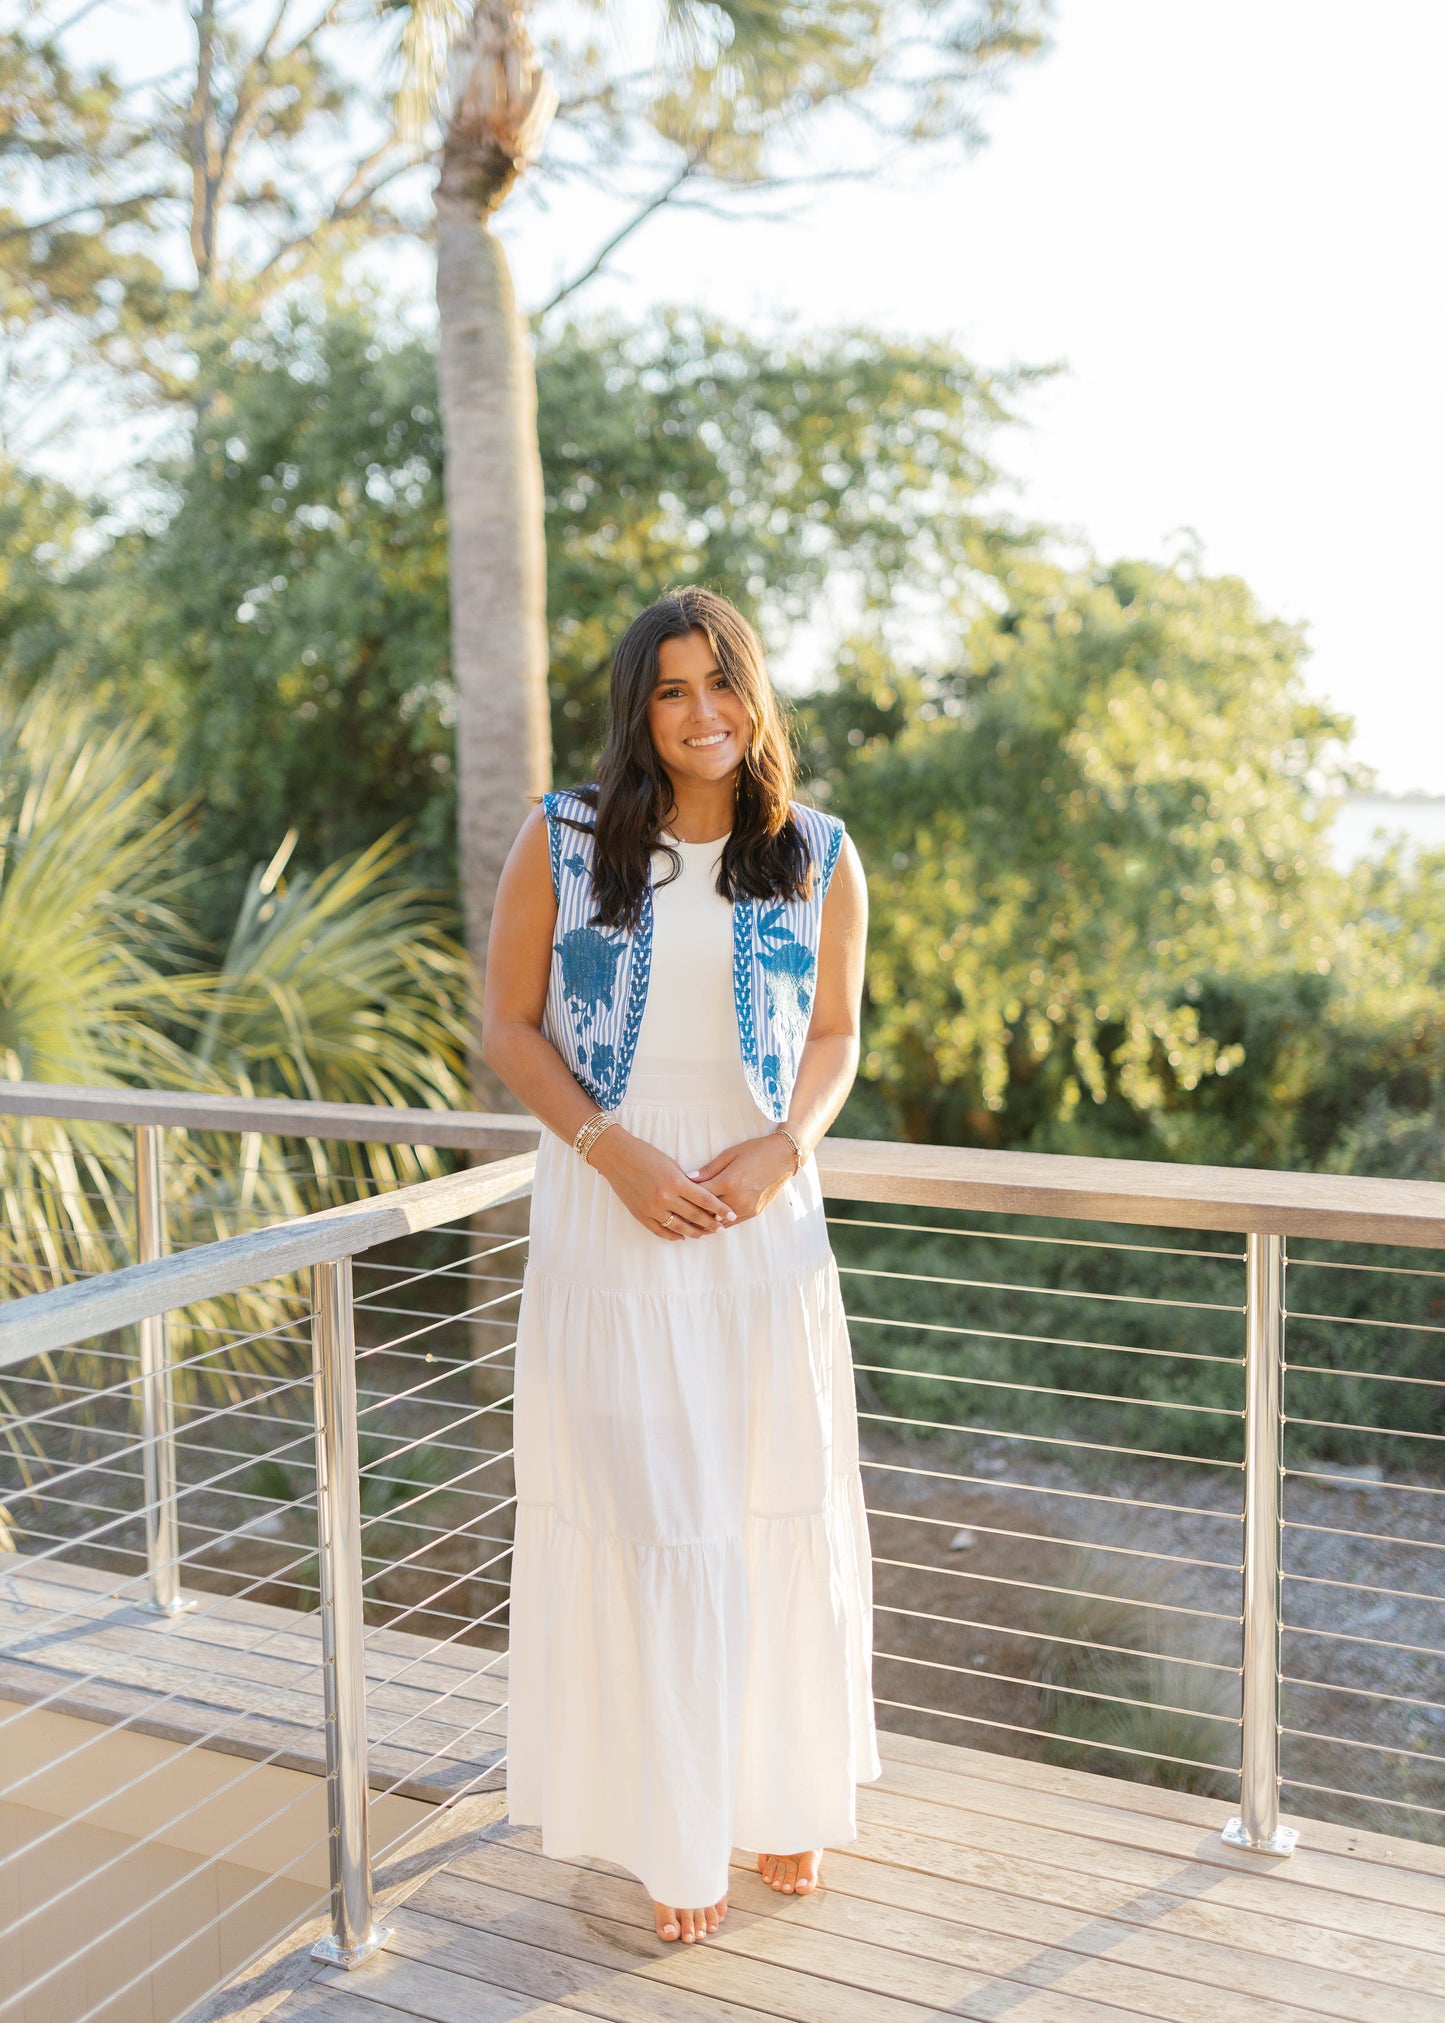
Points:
(721, 1907)
(665, 1918)
(710, 1917)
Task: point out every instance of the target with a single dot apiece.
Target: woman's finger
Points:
(697, 1196)
(688, 1218)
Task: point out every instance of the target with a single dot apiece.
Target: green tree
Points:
(734, 94)
(251, 155)
(302, 676)
(1116, 808)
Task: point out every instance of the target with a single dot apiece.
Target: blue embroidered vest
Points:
(598, 986)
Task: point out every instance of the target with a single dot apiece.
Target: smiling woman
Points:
(673, 987)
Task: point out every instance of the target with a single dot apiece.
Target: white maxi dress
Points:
(691, 1591)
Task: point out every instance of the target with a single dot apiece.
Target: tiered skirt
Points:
(691, 1594)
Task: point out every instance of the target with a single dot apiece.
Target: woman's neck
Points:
(703, 810)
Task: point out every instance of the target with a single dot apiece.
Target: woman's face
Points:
(698, 722)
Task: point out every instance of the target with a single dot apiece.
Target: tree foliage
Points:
(1094, 805)
(302, 676)
(145, 225)
(1109, 817)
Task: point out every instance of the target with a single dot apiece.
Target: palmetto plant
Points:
(343, 986)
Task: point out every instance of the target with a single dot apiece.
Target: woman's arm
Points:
(748, 1176)
(830, 1053)
(519, 966)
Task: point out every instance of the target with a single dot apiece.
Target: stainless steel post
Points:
(1257, 1826)
(157, 1402)
(354, 1936)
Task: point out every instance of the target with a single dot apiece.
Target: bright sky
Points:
(1223, 217)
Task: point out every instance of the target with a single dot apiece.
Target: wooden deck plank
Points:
(245, 1678)
(1267, 1891)
(1147, 1829)
(1416, 1857)
(343, 2002)
(784, 1970)
(1134, 1940)
(412, 1989)
(829, 1929)
(84, 1595)
(1245, 1926)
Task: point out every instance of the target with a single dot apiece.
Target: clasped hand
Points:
(732, 1187)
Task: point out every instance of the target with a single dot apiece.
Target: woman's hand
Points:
(748, 1176)
(654, 1188)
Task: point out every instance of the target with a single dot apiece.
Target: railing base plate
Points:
(181, 1607)
(331, 1953)
(1281, 1841)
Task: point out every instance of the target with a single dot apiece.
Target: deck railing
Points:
(169, 1298)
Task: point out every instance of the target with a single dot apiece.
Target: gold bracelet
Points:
(782, 1131)
(591, 1131)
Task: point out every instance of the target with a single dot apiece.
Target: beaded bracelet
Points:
(782, 1131)
(591, 1131)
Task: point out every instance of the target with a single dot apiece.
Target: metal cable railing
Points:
(312, 1509)
(1134, 1504)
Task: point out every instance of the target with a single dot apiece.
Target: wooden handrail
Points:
(118, 1299)
(274, 1117)
(1338, 1206)
(1238, 1198)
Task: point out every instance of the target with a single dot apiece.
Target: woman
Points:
(673, 984)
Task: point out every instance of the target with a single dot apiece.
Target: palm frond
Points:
(343, 986)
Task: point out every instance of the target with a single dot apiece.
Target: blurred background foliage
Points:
(1094, 801)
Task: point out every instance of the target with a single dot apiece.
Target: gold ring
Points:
(667, 1222)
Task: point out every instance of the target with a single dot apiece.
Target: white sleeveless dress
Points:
(691, 1591)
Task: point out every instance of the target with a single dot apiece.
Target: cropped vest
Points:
(598, 986)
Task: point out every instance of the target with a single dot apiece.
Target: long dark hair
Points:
(766, 856)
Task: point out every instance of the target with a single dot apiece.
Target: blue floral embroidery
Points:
(589, 970)
(788, 971)
(576, 864)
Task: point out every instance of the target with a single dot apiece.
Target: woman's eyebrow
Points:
(679, 681)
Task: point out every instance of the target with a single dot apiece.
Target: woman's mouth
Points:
(705, 742)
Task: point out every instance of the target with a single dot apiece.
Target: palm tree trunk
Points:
(501, 104)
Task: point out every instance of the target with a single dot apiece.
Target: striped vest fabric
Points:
(598, 987)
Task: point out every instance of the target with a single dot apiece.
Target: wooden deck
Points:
(979, 1886)
(245, 1678)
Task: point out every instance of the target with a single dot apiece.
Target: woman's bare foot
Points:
(689, 1926)
(793, 1874)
